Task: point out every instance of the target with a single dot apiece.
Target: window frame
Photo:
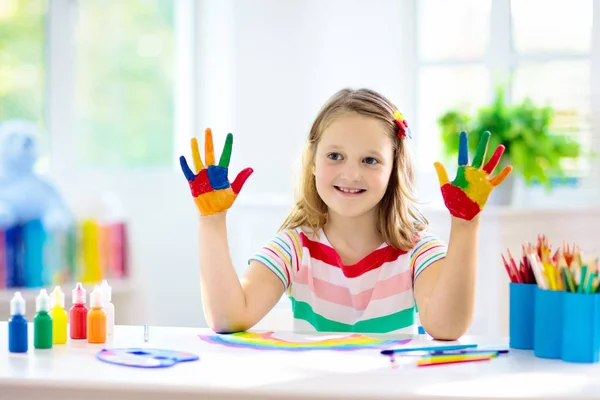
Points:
(502, 59)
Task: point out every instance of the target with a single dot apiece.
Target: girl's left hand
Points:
(467, 194)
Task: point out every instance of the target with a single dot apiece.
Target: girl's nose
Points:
(351, 173)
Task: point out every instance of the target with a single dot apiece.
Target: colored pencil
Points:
(388, 352)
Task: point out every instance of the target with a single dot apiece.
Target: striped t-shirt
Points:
(375, 295)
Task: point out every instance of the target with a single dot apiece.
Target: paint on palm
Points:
(467, 194)
(210, 184)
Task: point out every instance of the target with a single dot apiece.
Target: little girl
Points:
(354, 254)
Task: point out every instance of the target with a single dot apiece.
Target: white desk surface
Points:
(71, 371)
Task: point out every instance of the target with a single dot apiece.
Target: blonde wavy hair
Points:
(399, 221)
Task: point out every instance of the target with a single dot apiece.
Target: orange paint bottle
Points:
(96, 319)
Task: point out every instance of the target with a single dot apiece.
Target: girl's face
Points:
(353, 164)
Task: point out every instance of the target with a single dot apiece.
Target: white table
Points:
(71, 371)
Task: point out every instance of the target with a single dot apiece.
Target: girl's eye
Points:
(334, 156)
(371, 161)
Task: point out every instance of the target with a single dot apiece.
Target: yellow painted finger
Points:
(501, 176)
(441, 173)
(209, 150)
(196, 156)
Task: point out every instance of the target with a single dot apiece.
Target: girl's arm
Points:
(231, 305)
(445, 291)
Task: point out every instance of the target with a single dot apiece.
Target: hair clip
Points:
(403, 129)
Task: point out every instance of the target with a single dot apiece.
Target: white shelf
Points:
(119, 286)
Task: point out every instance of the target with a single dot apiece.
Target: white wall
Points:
(290, 56)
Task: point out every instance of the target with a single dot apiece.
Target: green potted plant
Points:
(533, 149)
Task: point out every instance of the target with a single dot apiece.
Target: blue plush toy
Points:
(24, 195)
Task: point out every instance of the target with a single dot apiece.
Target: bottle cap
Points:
(57, 297)
(96, 298)
(42, 302)
(106, 291)
(98, 289)
(17, 304)
(79, 294)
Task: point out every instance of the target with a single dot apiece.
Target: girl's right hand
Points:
(210, 185)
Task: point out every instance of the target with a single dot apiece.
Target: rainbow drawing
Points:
(266, 341)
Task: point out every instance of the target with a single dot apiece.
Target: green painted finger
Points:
(481, 150)
(461, 179)
(226, 155)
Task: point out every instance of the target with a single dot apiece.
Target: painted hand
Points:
(467, 194)
(210, 185)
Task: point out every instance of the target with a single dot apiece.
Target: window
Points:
(124, 85)
(22, 53)
(452, 40)
(464, 48)
(453, 30)
(553, 66)
(540, 26)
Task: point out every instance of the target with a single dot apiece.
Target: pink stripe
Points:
(342, 296)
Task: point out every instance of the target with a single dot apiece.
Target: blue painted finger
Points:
(189, 175)
(463, 149)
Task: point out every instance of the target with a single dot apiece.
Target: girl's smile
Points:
(349, 191)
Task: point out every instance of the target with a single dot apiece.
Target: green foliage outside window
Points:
(125, 81)
(22, 58)
(124, 77)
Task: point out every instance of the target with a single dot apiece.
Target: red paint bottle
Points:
(78, 314)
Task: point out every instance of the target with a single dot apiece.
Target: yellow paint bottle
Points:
(92, 271)
(59, 315)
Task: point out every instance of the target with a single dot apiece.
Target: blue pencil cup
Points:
(521, 308)
(581, 328)
(548, 323)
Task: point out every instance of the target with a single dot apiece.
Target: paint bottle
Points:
(96, 319)
(59, 315)
(13, 237)
(17, 325)
(42, 322)
(34, 238)
(90, 246)
(78, 314)
(109, 307)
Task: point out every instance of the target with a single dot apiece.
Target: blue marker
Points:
(17, 325)
(428, 348)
